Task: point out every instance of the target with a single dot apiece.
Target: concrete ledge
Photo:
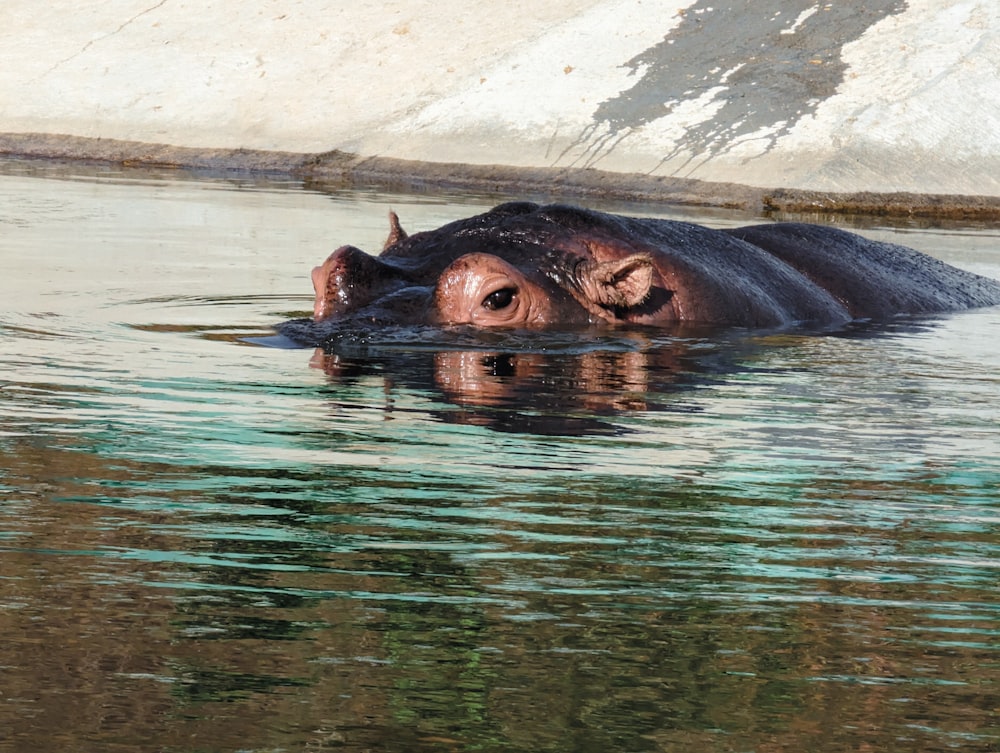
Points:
(338, 169)
(878, 106)
(114, 151)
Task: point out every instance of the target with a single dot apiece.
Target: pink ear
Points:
(620, 283)
(396, 232)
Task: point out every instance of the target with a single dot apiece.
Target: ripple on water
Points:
(775, 541)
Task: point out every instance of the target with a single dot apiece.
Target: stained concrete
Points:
(768, 71)
(893, 105)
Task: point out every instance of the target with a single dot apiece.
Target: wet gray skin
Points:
(524, 266)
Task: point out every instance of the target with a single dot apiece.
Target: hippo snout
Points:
(349, 280)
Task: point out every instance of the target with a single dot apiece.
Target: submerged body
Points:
(522, 265)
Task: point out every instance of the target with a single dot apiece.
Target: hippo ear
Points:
(618, 284)
(396, 232)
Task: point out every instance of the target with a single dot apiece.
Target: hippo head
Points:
(513, 267)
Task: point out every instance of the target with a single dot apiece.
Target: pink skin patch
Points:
(485, 291)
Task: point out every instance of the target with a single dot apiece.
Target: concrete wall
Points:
(852, 96)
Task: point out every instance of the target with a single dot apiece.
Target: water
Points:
(745, 542)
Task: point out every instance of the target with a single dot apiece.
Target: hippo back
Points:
(873, 279)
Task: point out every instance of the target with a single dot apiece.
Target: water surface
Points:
(741, 542)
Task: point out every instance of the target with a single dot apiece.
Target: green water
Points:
(743, 542)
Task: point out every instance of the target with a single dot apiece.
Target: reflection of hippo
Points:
(525, 266)
(568, 388)
(565, 392)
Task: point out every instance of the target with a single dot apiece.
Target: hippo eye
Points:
(499, 299)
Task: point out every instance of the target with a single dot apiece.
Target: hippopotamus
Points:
(525, 266)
